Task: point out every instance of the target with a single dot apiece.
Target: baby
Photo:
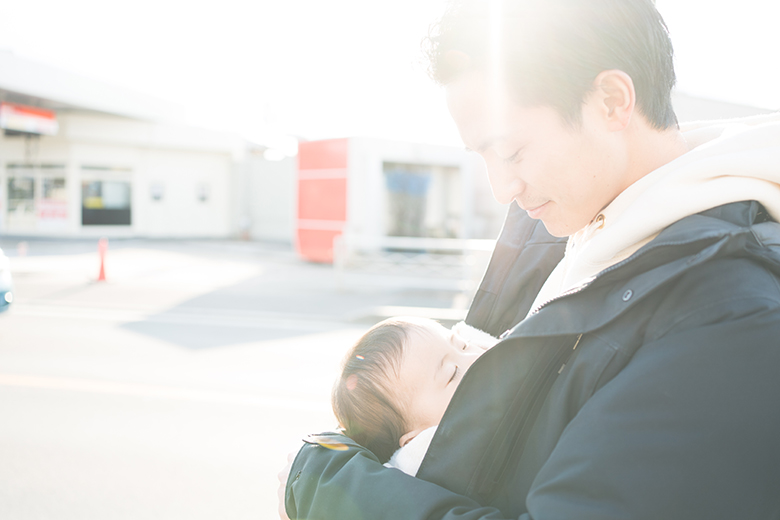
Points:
(397, 382)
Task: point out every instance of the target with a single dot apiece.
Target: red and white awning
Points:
(31, 120)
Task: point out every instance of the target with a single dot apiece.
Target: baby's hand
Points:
(474, 336)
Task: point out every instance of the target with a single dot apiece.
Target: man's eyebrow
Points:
(485, 144)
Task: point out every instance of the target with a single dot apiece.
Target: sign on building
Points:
(27, 119)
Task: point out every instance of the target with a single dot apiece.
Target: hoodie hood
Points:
(729, 161)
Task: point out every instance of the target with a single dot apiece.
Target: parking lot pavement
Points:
(212, 276)
(176, 388)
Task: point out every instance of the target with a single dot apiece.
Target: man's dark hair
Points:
(364, 398)
(552, 50)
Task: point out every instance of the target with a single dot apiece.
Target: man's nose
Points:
(504, 183)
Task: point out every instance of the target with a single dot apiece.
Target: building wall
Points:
(265, 199)
(195, 194)
(179, 178)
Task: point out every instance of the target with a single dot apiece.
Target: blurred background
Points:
(272, 178)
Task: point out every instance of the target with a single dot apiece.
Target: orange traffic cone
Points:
(102, 248)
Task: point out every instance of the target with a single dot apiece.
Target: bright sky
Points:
(336, 68)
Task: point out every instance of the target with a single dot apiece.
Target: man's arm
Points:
(349, 483)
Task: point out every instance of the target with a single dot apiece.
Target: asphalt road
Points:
(176, 388)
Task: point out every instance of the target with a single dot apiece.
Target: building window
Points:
(105, 203)
(157, 191)
(422, 200)
(37, 197)
(21, 195)
(203, 191)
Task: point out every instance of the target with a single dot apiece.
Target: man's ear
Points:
(615, 98)
(407, 437)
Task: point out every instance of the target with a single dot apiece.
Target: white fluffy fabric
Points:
(409, 458)
(474, 336)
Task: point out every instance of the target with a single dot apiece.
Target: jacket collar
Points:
(720, 231)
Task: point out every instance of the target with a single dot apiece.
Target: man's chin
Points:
(557, 230)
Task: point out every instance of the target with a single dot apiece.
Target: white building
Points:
(113, 167)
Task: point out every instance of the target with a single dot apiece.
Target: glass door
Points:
(37, 198)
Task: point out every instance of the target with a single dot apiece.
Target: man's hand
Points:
(282, 476)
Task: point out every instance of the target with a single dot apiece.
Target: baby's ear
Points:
(407, 437)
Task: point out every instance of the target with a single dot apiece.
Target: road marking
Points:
(95, 386)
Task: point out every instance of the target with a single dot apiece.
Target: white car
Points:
(6, 283)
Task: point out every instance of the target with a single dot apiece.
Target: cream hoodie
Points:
(728, 161)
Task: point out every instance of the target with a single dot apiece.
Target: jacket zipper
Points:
(527, 410)
(571, 291)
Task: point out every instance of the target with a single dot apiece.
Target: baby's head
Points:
(397, 381)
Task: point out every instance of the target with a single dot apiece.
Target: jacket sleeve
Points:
(349, 483)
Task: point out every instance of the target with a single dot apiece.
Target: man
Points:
(639, 378)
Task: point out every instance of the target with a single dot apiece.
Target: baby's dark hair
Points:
(365, 399)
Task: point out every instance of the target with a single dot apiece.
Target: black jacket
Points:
(651, 392)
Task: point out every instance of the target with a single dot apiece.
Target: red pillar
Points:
(322, 197)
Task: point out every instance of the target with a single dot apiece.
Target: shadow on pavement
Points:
(284, 302)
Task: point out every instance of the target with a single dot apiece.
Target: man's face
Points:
(559, 174)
